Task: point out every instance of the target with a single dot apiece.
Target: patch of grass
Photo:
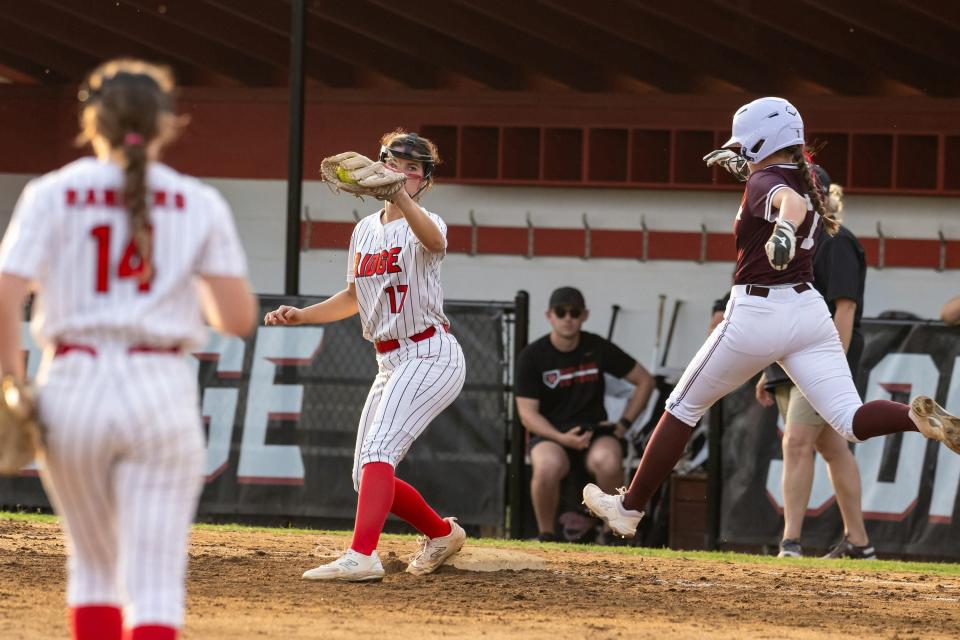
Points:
(28, 516)
(243, 528)
(938, 568)
(877, 566)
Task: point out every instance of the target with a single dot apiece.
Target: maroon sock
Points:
(96, 622)
(376, 496)
(663, 451)
(410, 506)
(881, 418)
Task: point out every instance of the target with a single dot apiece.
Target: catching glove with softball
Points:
(360, 176)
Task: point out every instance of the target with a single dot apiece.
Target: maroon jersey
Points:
(754, 225)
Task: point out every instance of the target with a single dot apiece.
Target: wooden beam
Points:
(377, 54)
(419, 42)
(212, 22)
(720, 30)
(167, 39)
(18, 69)
(49, 53)
(860, 45)
(333, 46)
(92, 40)
(944, 12)
(855, 52)
(903, 31)
(759, 30)
(507, 43)
(685, 32)
(588, 35)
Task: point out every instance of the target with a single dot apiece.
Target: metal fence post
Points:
(295, 152)
(516, 481)
(714, 476)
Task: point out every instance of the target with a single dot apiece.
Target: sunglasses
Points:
(561, 312)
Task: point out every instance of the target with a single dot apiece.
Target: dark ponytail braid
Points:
(128, 106)
(135, 201)
(830, 222)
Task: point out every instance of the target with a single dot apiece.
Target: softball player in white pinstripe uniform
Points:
(116, 306)
(393, 281)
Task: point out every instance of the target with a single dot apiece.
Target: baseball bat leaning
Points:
(673, 324)
(614, 312)
(656, 344)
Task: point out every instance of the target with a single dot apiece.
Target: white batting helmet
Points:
(765, 126)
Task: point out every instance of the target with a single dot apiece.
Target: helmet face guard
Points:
(410, 146)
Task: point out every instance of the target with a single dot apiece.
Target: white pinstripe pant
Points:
(124, 470)
(794, 329)
(414, 384)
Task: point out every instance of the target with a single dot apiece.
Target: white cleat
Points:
(433, 552)
(350, 567)
(610, 509)
(935, 423)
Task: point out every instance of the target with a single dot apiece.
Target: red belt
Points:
(63, 348)
(386, 346)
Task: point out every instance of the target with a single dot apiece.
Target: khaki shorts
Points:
(794, 407)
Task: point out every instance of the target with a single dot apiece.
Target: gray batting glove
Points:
(733, 162)
(782, 245)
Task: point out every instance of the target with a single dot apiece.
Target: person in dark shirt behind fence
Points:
(950, 313)
(839, 274)
(560, 390)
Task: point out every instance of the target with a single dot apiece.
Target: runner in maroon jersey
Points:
(774, 315)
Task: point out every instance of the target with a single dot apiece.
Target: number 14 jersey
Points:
(70, 235)
(397, 278)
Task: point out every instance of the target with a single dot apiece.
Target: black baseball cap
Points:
(567, 297)
(823, 179)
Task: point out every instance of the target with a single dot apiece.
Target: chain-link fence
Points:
(282, 410)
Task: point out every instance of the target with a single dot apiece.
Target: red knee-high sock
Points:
(410, 506)
(881, 418)
(373, 505)
(98, 622)
(152, 632)
(662, 453)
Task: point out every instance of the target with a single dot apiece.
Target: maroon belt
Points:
(763, 292)
(63, 348)
(386, 346)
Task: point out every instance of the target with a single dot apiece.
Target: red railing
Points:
(864, 162)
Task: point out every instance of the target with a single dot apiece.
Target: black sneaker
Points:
(548, 536)
(790, 549)
(850, 551)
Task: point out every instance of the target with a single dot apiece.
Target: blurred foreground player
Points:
(126, 257)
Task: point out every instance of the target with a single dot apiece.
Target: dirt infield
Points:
(246, 584)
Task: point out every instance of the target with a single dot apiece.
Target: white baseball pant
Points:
(124, 470)
(414, 384)
(794, 329)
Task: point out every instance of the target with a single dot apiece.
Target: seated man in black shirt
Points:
(560, 391)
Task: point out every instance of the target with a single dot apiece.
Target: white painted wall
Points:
(260, 206)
